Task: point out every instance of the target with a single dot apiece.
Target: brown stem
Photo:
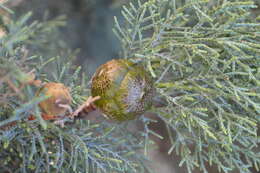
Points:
(85, 109)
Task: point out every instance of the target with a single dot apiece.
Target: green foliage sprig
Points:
(205, 57)
(38, 145)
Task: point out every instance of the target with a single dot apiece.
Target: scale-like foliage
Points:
(31, 51)
(205, 57)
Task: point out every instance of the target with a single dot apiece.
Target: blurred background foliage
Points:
(211, 115)
(88, 26)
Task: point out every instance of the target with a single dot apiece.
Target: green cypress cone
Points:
(125, 88)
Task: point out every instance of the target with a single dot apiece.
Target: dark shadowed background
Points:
(89, 26)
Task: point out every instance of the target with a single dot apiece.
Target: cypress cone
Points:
(59, 94)
(125, 88)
